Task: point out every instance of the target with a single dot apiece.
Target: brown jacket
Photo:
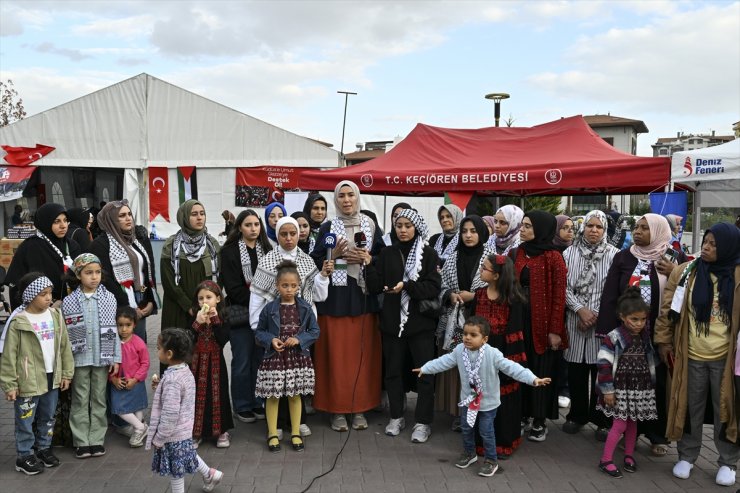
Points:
(667, 332)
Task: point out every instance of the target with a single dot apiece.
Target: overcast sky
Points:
(673, 64)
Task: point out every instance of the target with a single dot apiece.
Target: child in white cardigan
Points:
(479, 364)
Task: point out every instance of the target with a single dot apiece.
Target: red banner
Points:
(159, 203)
(13, 181)
(23, 156)
(257, 187)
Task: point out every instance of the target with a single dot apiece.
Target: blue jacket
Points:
(268, 326)
(494, 362)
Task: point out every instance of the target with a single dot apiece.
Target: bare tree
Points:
(11, 106)
(510, 121)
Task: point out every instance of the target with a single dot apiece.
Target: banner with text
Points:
(257, 187)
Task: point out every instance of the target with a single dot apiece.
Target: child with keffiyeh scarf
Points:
(478, 365)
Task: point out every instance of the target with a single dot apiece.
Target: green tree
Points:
(11, 106)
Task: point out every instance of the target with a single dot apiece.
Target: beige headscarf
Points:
(108, 222)
(354, 218)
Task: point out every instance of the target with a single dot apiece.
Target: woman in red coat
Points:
(542, 273)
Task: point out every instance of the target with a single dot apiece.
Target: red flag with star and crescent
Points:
(23, 156)
(159, 203)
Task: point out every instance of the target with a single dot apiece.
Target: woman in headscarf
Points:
(80, 221)
(245, 246)
(273, 213)
(460, 280)
(565, 233)
(348, 353)
(542, 274)
(642, 265)
(674, 221)
(304, 231)
(189, 257)
(490, 222)
(315, 209)
(390, 237)
(50, 251)
(506, 224)
(128, 269)
(588, 261)
(697, 333)
(615, 233)
(407, 273)
(444, 243)
(314, 284)
(228, 222)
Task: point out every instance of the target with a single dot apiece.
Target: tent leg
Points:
(385, 212)
(697, 222)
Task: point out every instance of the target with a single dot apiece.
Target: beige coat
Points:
(667, 332)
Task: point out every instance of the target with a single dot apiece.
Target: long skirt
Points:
(348, 361)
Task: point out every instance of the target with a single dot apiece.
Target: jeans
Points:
(39, 408)
(485, 421)
(246, 359)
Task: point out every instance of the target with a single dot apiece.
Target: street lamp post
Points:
(344, 121)
(497, 97)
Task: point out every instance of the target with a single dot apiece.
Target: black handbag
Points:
(430, 308)
(237, 315)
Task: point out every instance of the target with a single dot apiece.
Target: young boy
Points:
(479, 364)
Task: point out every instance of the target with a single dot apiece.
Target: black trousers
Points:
(582, 384)
(421, 346)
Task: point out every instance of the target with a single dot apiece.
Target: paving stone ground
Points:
(370, 462)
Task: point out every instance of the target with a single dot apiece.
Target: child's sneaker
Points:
(488, 468)
(138, 438)
(82, 452)
(466, 459)
(29, 465)
(97, 450)
(214, 477)
(224, 440)
(305, 430)
(47, 458)
(196, 443)
(538, 433)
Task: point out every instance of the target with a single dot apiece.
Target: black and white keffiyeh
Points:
(246, 259)
(444, 253)
(66, 259)
(264, 281)
(592, 255)
(339, 276)
(472, 370)
(413, 261)
(193, 247)
(74, 317)
(27, 297)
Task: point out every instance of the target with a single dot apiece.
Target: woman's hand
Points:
(554, 341)
(610, 400)
(327, 268)
(278, 345)
(357, 256)
(395, 289)
(664, 267)
(666, 352)
(587, 318)
(456, 299)
(339, 250)
(292, 342)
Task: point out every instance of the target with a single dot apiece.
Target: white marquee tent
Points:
(145, 121)
(714, 173)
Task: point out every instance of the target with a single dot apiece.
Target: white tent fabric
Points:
(714, 173)
(145, 121)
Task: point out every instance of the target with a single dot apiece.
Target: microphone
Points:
(330, 241)
(360, 240)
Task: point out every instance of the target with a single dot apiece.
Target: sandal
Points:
(615, 473)
(273, 448)
(630, 466)
(298, 447)
(659, 449)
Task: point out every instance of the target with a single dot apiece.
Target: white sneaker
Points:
(682, 469)
(421, 433)
(725, 476)
(214, 477)
(126, 431)
(224, 440)
(394, 427)
(359, 422)
(339, 422)
(563, 401)
(138, 437)
(305, 430)
(196, 443)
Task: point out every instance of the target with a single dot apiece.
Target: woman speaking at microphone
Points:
(348, 352)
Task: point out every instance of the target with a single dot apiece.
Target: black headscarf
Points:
(545, 227)
(727, 240)
(468, 258)
(79, 217)
(44, 219)
(392, 232)
(303, 245)
(309, 205)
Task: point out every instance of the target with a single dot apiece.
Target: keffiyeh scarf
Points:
(247, 261)
(123, 270)
(444, 253)
(339, 276)
(472, 370)
(75, 319)
(27, 297)
(264, 282)
(66, 259)
(194, 247)
(592, 255)
(413, 261)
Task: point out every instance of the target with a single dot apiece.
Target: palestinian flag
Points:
(187, 183)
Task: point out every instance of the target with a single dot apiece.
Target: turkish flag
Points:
(159, 194)
(23, 156)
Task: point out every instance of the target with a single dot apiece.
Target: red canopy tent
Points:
(564, 157)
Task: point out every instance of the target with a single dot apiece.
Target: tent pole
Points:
(697, 222)
(385, 206)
